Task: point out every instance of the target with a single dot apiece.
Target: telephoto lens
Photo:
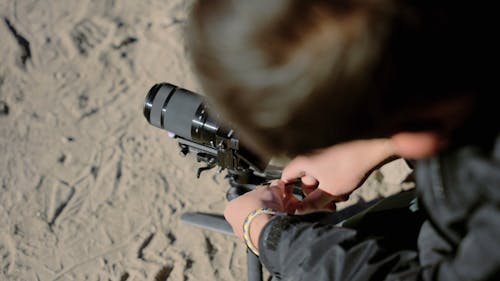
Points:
(184, 114)
(180, 112)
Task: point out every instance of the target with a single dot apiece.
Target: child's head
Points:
(294, 76)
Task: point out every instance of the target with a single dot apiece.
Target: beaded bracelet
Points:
(248, 221)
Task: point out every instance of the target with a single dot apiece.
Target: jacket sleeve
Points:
(475, 257)
(296, 250)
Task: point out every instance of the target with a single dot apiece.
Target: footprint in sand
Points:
(87, 35)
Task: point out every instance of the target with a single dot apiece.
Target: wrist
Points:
(253, 225)
(379, 151)
(257, 225)
(388, 148)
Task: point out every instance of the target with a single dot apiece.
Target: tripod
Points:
(217, 223)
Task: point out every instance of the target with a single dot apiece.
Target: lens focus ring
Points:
(163, 94)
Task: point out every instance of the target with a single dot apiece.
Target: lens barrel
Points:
(184, 113)
(179, 111)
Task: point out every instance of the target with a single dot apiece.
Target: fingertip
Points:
(276, 183)
(287, 177)
(309, 181)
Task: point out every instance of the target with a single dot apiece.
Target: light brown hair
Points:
(294, 76)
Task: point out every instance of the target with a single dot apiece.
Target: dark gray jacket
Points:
(457, 239)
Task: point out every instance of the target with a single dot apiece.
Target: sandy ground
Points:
(89, 190)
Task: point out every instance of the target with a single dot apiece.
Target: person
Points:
(343, 86)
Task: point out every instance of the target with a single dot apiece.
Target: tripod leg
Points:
(254, 267)
(217, 223)
(213, 222)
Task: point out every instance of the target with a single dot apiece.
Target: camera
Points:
(187, 117)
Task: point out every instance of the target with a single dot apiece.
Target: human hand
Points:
(276, 196)
(332, 174)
